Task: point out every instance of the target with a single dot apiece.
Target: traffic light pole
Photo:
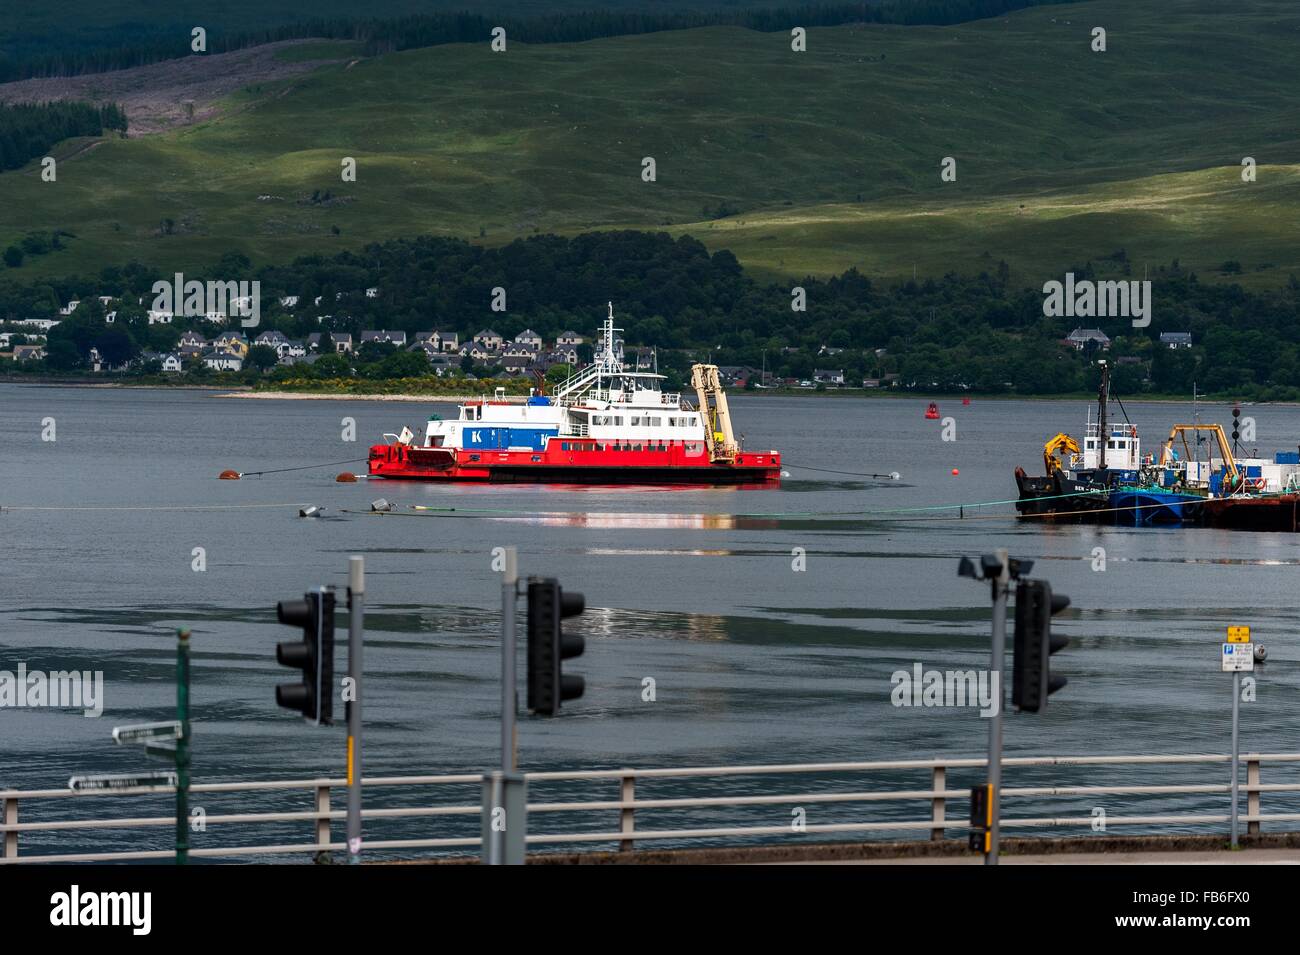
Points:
(356, 606)
(183, 746)
(1001, 586)
(509, 697)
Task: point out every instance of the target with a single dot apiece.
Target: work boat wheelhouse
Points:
(604, 425)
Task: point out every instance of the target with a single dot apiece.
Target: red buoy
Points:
(347, 477)
(932, 412)
(955, 472)
(229, 475)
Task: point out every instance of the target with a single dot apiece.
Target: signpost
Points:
(170, 740)
(1238, 658)
(100, 782)
(147, 731)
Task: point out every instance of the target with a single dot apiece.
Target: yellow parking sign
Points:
(1239, 634)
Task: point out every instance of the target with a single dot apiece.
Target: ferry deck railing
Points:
(616, 814)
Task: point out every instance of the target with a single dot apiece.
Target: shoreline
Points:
(248, 391)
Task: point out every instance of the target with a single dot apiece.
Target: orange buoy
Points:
(965, 402)
(955, 472)
(347, 477)
(229, 475)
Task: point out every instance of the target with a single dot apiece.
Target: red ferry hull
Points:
(573, 462)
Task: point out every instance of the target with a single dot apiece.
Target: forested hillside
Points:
(981, 332)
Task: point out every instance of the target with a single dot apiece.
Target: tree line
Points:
(28, 130)
(122, 47)
(983, 333)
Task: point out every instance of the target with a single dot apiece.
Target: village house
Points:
(529, 339)
(425, 346)
(160, 316)
(568, 339)
(489, 339)
(829, 376)
(447, 341)
(516, 364)
(29, 352)
(191, 338)
(231, 343)
(172, 364)
(271, 337)
(372, 292)
(43, 324)
(1176, 339)
(1082, 338)
(223, 361)
(289, 301)
(70, 307)
(382, 335)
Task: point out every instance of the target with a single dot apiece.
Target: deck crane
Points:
(719, 437)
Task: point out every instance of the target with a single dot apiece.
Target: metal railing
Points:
(613, 816)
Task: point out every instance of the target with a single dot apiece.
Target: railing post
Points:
(322, 827)
(10, 807)
(938, 783)
(627, 815)
(1252, 792)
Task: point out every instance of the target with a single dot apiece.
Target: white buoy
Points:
(380, 505)
(311, 510)
(893, 475)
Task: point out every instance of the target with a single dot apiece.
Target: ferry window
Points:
(653, 422)
(618, 419)
(598, 447)
(473, 457)
(636, 447)
(564, 445)
(1110, 445)
(636, 420)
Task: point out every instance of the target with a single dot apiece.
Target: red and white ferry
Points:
(605, 425)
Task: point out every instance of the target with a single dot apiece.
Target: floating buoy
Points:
(229, 475)
(965, 401)
(310, 510)
(955, 472)
(932, 412)
(380, 505)
(893, 475)
(347, 477)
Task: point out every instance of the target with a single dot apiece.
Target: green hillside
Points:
(827, 158)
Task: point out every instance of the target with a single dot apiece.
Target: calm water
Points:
(753, 661)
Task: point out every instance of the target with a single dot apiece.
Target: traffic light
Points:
(981, 817)
(1032, 680)
(549, 646)
(313, 655)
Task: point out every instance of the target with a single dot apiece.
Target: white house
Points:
(372, 292)
(70, 307)
(222, 361)
(291, 301)
(160, 316)
(568, 339)
(172, 364)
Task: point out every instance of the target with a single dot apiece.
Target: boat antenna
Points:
(1103, 393)
(1120, 401)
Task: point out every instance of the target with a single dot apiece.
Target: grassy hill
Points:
(827, 158)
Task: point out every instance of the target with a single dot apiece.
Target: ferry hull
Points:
(609, 465)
